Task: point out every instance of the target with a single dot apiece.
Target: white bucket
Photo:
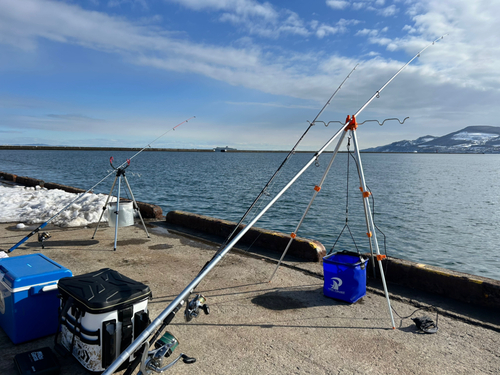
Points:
(125, 215)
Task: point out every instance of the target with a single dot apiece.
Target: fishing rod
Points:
(92, 188)
(149, 359)
(289, 155)
(318, 187)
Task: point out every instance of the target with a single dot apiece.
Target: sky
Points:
(121, 73)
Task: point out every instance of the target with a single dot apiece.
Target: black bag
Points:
(101, 314)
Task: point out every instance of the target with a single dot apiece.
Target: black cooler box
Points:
(101, 314)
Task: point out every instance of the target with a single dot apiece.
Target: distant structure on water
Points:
(224, 149)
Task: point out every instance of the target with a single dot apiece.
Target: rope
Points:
(346, 204)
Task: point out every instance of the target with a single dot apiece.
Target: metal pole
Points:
(136, 206)
(117, 208)
(43, 225)
(289, 155)
(372, 234)
(188, 290)
(317, 188)
(105, 206)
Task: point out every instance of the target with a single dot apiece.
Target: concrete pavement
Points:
(256, 327)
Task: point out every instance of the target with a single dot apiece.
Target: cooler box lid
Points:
(29, 270)
(103, 290)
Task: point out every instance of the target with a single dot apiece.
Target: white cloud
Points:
(459, 73)
(367, 32)
(118, 3)
(358, 5)
(254, 17)
(245, 8)
(322, 30)
(337, 4)
(388, 11)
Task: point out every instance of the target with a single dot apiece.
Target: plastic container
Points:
(102, 312)
(40, 362)
(344, 276)
(125, 215)
(29, 306)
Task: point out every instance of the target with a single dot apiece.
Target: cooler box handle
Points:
(38, 289)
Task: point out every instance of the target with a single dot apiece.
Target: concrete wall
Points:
(460, 286)
(306, 249)
(148, 211)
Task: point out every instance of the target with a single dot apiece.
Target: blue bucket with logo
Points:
(344, 276)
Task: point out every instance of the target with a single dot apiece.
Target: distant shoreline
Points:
(76, 148)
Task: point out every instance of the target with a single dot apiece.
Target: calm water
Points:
(436, 209)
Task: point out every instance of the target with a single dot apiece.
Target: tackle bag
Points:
(101, 313)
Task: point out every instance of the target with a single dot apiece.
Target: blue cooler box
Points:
(344, 276)
(29, 306)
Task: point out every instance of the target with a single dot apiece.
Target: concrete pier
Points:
(287, 326)
(256, 327)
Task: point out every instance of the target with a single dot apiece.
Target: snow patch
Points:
(36, 205)
(474, 137)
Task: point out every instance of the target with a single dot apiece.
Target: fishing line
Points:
(169, 312)
(349, 154)
(373, 203)
(278, 171)
(418, 321)
(89, 190)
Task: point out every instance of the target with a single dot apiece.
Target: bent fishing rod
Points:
(169, 313)
(288, 156)
(92, 188)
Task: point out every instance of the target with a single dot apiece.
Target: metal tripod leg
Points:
(117, 212)
(136, 206)
(105, 206)
(119, 174)
(317, 188)
(372, 235)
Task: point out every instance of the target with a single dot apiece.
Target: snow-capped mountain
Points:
(472, 139)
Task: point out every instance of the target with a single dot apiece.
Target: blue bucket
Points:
(344, 276)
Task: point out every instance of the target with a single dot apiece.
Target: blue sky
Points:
(122, 72)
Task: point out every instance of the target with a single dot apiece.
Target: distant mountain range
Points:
(471, 140)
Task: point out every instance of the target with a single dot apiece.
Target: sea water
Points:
(437, 209)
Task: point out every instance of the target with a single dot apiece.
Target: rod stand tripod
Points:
(120, 172)
(351, 126)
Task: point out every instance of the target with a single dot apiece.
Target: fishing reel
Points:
(152, 360)
(42, 237)
(193, 308)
